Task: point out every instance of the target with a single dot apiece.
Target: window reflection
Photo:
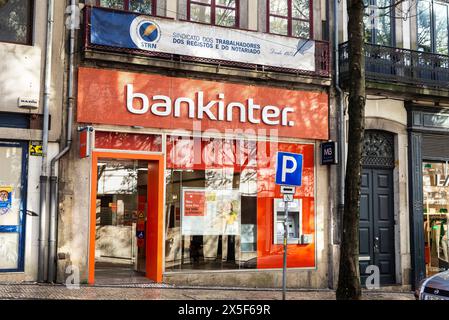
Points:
(211, 206)
(113, 4)
(141, 6)
(378, 21)
(200, 13)
(15, 21)
(424, 26)
(225, 12)
(290, 18)
(441, 28)
(432, 26)
(10, 204)
(121, 207)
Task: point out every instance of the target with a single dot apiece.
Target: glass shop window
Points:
(211, 204)
(436, 214)
(222, 206)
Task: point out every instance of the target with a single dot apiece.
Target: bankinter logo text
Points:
(216, 110)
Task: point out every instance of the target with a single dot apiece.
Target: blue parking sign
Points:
(289, 169)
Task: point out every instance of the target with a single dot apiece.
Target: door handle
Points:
(376, 244)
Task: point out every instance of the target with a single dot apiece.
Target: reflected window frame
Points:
(372, 30)
(213, 5)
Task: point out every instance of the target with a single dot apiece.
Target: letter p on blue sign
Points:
(289, 169)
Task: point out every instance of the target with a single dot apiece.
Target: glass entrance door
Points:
(13, 173)
(436, 215)
(121, 218)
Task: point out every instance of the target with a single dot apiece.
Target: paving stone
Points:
(170, 292)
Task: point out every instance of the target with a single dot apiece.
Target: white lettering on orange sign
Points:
(216, 110)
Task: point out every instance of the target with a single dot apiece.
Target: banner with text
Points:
(133, 31)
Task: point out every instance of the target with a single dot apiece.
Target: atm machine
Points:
(294, 223)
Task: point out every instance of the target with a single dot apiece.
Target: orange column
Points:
(93, 220)
(155, 216)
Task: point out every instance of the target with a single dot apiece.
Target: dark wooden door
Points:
(376, 229)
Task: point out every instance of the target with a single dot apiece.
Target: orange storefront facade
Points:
(188, 166)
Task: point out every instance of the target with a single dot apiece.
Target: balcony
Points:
(400, 66)
(320, 67)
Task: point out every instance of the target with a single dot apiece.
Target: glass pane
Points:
(279, 7)
(225, 17)
(423, 26)
(441, 25)
(113, 4)
(142, 6)
(226, 3)
(9, 248)
(436, 208)
(383, 23)
(200, 13)
(368, 21)
(10, 185)
(14, 20)
(211, 210)
(301, 29)
(121, 214)
(278, 25)
(301, 9)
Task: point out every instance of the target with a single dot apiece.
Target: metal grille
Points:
(435, 146)
(378, 149)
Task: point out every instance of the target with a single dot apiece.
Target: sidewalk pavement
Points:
(165, 292)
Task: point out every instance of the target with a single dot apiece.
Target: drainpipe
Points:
(340, 122)
(52, 237)
(43, 181)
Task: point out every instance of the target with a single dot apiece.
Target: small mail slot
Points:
(364, 258)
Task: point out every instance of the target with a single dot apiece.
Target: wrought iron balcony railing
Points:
(396, 65)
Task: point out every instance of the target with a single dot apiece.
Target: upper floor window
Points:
(141, 6)
(378, 20)
(432, 26)
(290, 17)
(216, 12)
(16, 21)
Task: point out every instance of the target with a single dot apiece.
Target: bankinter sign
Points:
(216, 110)
(135, 99)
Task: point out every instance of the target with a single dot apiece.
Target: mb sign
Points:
(289, 169)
